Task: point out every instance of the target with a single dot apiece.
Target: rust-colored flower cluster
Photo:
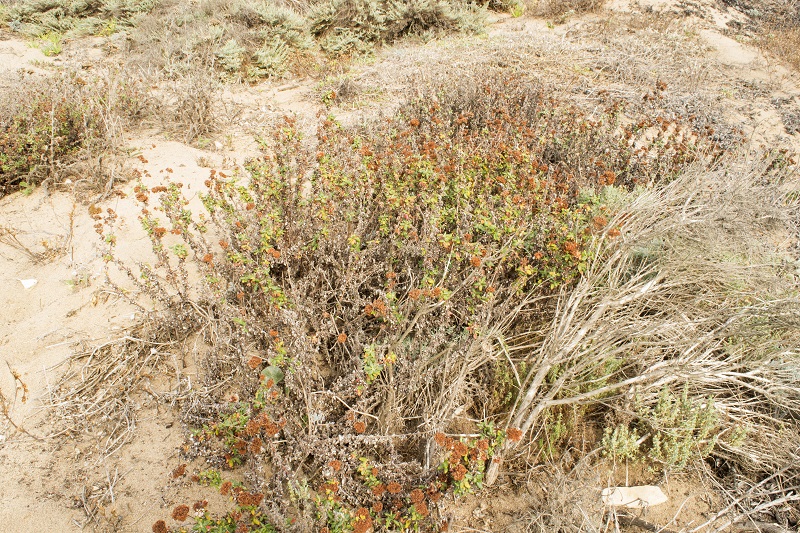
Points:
(179, 471)
(256, 446)
(180, 513)
(249, 499)
(571, 247)
(514, 434)
(265, 423)
(377, 308)
(362, 523)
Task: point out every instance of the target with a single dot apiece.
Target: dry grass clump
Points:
(566, 498)
(194, 105)
(103, 387)
(50, 126)
(685, 311)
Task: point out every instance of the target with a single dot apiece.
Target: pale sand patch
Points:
(16, 54)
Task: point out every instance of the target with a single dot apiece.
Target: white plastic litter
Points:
(637, 497)
(28, 283)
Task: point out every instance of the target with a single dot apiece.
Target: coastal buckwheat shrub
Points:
(363, 279)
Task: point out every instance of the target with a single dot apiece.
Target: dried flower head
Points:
(459, 448)
(249, 499)
(459, 472)
(329, 487)
(180, 513)
(360, 427)
(394, 487)
(571, 247)
(599, 222)
(160, 527)
(341, 338)
(179, 471)
(514, 434)
(362, 521)
(256, 445)
(270, 428)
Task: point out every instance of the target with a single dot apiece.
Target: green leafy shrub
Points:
(620, 442)
(231, 56)
(676, 430)
(682, 428)
(51, 44)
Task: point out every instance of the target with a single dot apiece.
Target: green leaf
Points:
(274, 373)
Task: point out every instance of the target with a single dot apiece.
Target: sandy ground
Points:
(54, 303)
